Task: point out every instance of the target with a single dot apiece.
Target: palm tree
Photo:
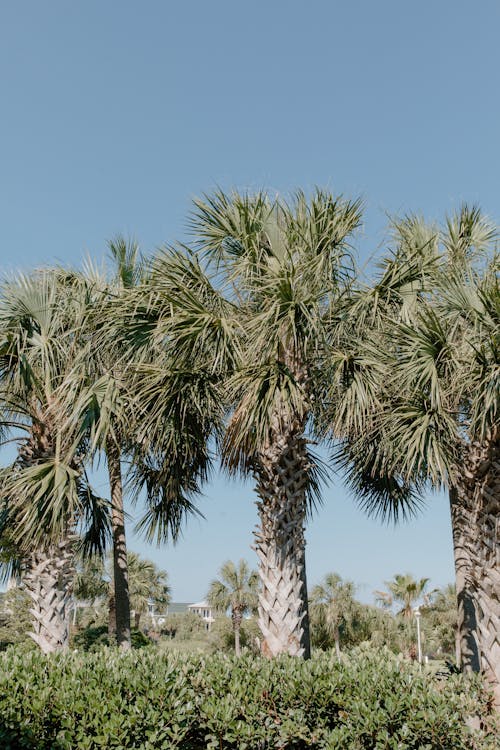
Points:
(45, 497)
(146, 583)
(95, 581)
(441, 614)
(255, 307)
(437, 419)
(235, 589)
(118, 413)
(334, 600)
(105, 407)
(405, 590)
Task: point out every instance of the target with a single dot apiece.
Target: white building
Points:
(203, 610)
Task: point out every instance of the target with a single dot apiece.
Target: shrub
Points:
(184, 626)
(15, 619)
(95, 638)
(221, 635)
(144, 699)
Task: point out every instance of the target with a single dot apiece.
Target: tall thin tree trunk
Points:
(476, 526)
(120, 569)
(48, 579)
(281, 472)
(305, 606)
(236, 617)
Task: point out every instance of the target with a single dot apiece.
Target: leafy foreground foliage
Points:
(141, 700)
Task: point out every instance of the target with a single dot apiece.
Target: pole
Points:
(419, 640)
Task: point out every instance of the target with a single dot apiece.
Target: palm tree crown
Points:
(404, 590)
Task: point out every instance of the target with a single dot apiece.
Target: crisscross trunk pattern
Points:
(48, 572)
(281, 473)
(475, 504)
(48, 579)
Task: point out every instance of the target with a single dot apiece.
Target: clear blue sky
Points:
(114, 114)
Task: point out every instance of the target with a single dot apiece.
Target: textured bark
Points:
(281, 471)
(475, 505)
(120, 569)
(48, 573)
(463, 550)
(48, 578)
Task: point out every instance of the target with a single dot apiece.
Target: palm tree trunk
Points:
(305, 608)
(281, 471)
(48, 579)
(48, 573)
(236, 617)
(461, 520)
(120, 570)
(476, 523)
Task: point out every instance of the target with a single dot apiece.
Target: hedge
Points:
(148, 700)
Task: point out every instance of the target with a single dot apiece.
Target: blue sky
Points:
(115, 114)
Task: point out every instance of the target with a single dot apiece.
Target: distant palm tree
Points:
(146, 583)
(334, 600)
(235, 589)
(95, 580)
(405, 590)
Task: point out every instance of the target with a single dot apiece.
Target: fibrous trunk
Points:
(120, 567)
(475, 505)
(282, 474)
(48, 579)
(48, 572)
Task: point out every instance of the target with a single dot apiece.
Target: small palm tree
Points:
(235, 589)
(146, 583)
(334, 600)
(404, 590)
(95, 580)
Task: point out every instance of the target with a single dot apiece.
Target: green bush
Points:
(221, 635)
(15, 619)
(184, 626)
(147, 700)
(96, 638)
